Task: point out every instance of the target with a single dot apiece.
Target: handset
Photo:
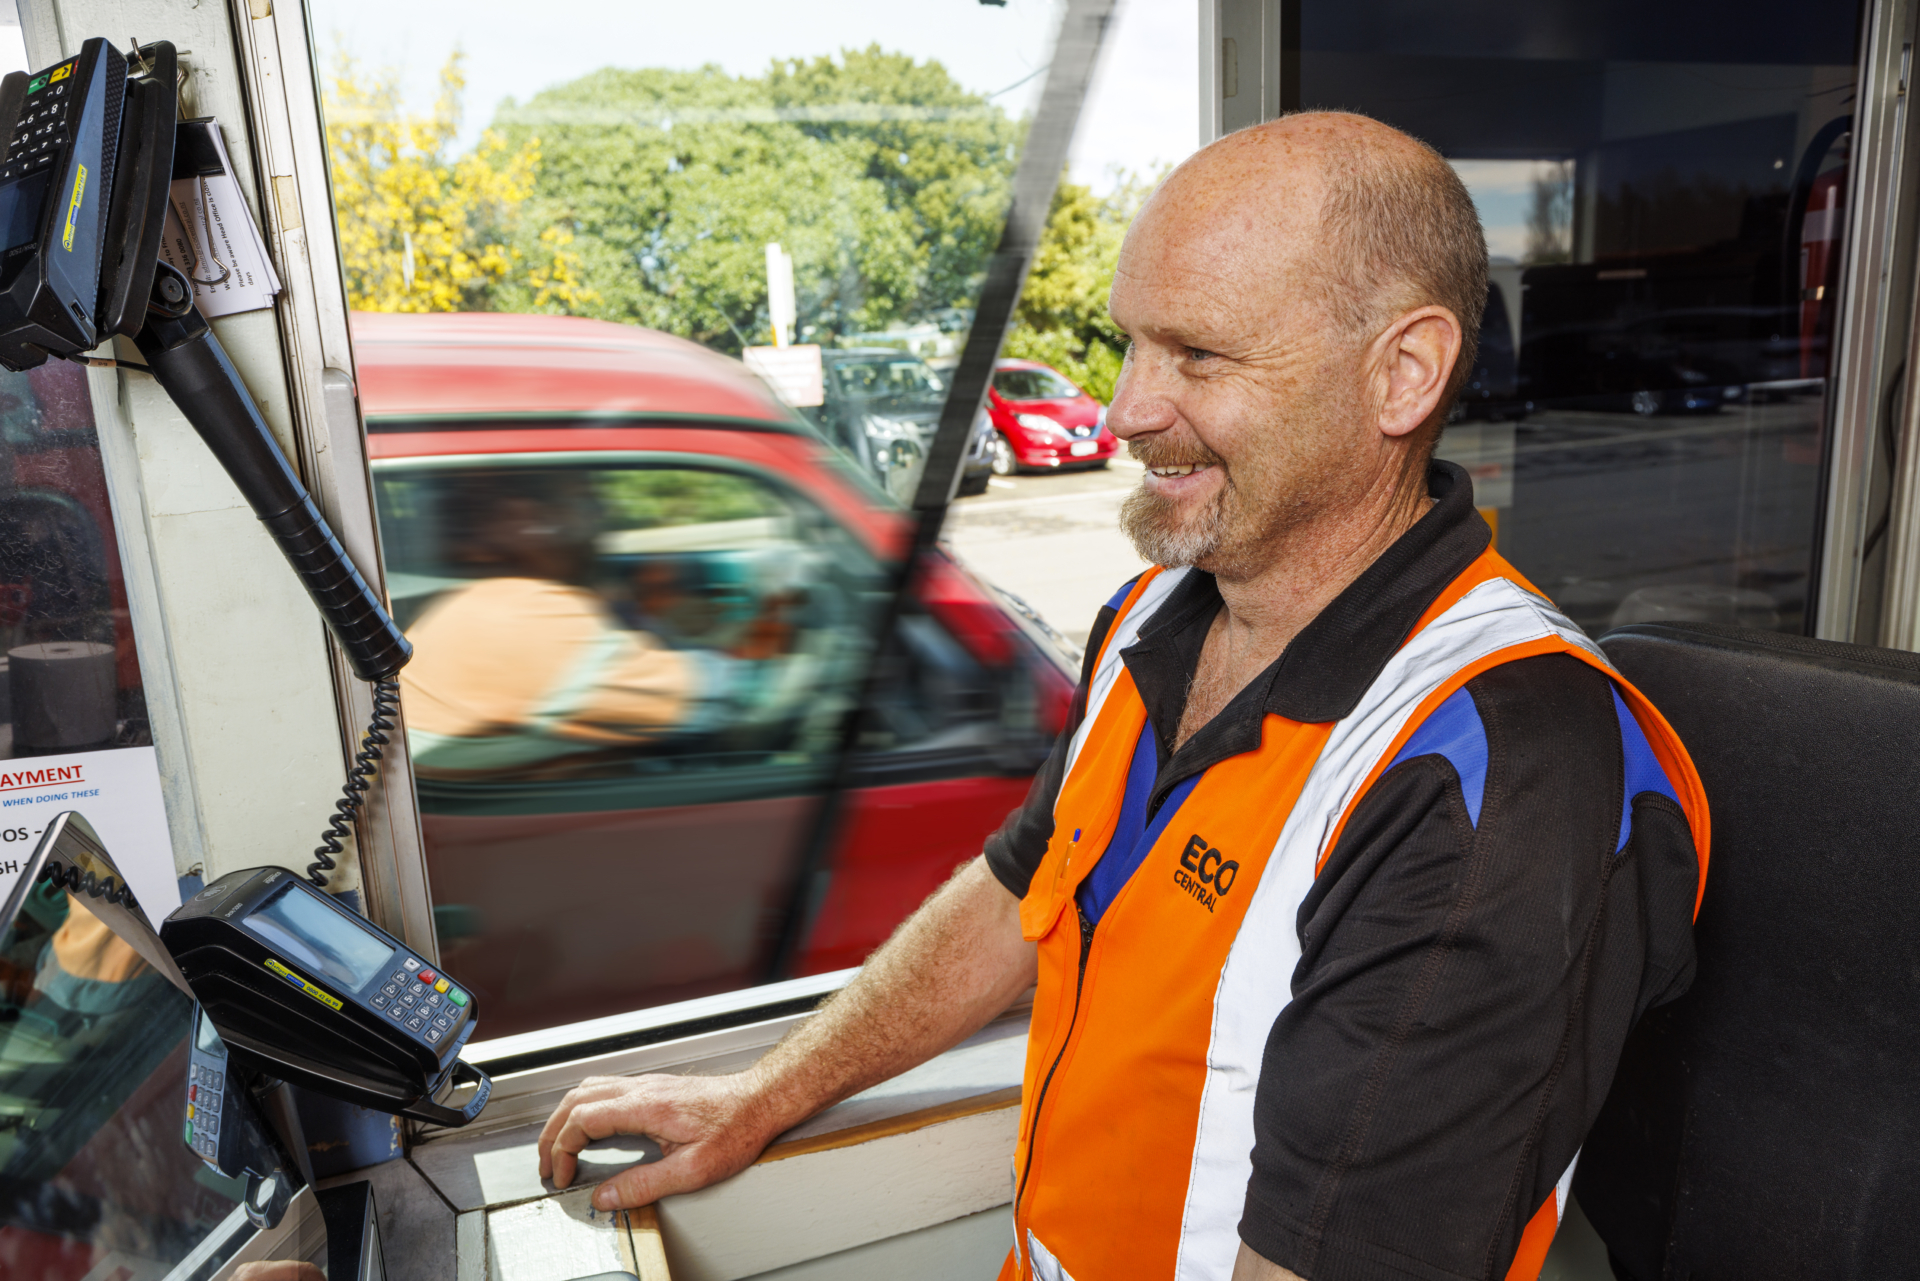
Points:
(86, 157)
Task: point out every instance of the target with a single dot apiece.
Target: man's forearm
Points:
(946, 971)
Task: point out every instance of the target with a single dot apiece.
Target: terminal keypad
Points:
(420, 1000)
(41, 129)
(203, 1111)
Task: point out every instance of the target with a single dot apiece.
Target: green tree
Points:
(944, 157)
(422, 229)
(1061, 319)
(882, 178)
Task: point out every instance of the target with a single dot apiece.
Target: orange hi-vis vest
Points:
(1147, 1038)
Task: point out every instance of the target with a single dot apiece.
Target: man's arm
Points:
(946, 971)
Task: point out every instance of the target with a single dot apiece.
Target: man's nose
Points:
(1141, 401)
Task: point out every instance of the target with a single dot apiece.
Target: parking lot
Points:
(1053, 540)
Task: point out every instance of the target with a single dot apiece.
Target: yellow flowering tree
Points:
(423, 230)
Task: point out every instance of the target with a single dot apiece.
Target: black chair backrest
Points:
(1767, 1124)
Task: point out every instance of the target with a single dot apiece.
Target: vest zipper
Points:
(1079, 983)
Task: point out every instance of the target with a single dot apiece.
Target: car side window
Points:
(596, 624)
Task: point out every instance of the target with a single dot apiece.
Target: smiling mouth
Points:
(1180, 469)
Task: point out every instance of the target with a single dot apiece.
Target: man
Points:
(1343, 893)
(526, 670)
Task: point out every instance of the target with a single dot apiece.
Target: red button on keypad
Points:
(427, 976)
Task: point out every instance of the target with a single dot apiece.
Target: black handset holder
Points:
(84, 179)
(191, 366)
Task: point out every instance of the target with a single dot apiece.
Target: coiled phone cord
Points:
(72, 878)
(366, 763)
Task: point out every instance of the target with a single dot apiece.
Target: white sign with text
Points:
(117, 791)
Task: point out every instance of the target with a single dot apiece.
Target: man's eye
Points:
(1199, 353)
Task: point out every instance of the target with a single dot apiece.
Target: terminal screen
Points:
(20, 202)
(308, 933)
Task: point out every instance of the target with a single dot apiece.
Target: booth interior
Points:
(657, 697)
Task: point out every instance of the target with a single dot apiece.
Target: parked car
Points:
(881, 406)
(600, 877)
(1044, 422)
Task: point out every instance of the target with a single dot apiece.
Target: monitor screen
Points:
(308, 933)
(20, 202)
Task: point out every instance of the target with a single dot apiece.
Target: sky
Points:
(1142, 113)
(1502, 191)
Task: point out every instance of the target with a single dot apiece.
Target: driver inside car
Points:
(526, 669)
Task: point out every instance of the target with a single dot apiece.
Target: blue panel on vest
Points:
(1643, 771)
(1133, 836)
(1455, 732)
(1120, 597)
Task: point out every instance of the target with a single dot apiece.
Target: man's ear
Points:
(1414, 359)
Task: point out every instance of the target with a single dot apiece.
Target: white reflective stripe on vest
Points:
(1125, 631)
(1255, 983)
(1045, 1266)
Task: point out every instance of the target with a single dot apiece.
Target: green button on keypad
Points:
(455, 995)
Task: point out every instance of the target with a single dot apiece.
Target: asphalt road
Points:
(1053, 540)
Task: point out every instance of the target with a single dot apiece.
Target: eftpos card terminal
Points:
(324, 998)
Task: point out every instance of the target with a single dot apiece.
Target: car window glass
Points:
(599, 622)
(1033, 384)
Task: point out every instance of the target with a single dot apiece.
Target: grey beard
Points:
(1161, 540)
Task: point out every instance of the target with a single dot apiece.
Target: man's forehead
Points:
(1200, 257)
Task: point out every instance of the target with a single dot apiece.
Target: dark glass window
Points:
(1663, 189)
(69, 673)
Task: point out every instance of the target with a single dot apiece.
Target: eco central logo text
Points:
(1213, 874)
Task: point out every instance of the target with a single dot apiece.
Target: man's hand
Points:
(708, 1127)
(953, 965)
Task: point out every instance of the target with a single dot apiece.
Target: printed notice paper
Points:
(117, 791)
(210, 233)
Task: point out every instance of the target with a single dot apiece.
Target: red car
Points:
(571, 883)
(1043, 422)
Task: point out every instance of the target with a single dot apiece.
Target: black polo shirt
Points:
(1493, 920)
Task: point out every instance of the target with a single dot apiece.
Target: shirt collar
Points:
(1324, 671)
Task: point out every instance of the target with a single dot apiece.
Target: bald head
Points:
(1368, 220)
(1301, 301)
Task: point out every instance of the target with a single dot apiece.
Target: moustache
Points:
(1153, 451)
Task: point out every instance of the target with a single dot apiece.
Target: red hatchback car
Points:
(1045, 423)
(642, 594)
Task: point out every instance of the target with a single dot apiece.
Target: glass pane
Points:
(631, 672)
(1663, 192)
(640, 504)
(95, 1179)
(69, 673)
